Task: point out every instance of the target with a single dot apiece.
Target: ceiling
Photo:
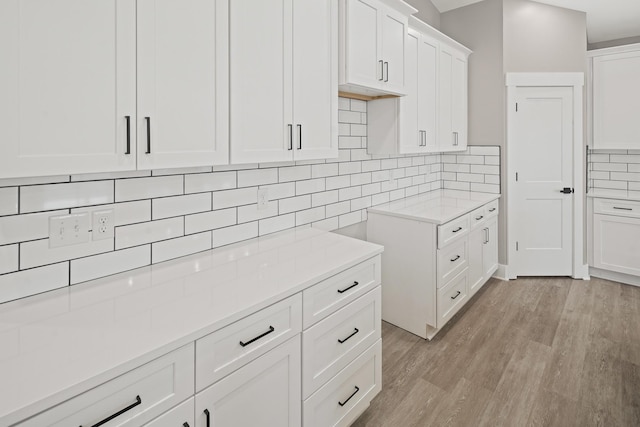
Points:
(606, 19)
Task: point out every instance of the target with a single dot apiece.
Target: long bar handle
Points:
(148, 119)
(128, 119)
(120, 412)
(244, 344)
(349, 398)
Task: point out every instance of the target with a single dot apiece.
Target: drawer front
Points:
(139, 395)
(628, 208)
(451, 298)
(177, 417)
(222, 352)
(348, 394)
(477, 217)
(334, 342)
(337, 291)
(491, 209)
(453, 230)
(452, 260)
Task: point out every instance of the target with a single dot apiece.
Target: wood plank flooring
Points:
(529, 352)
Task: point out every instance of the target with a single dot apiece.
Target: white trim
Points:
(627, 279)
(615, 49)
(421, 26)
(501, 272)
(576, 81)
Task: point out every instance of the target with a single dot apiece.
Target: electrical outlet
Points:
(65, 230)
(263, 198)
(103, 224)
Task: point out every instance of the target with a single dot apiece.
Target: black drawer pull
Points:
(185, 424)
(457, 295)
(148, 119)
(349, 398)
(492, 209)
(208, 415)
(622, 209)
(342, 291)
(478, 218)
(456, 230)
(455, 259)
(355, 331)
(128, 119)
(120, 412)
(271, 329)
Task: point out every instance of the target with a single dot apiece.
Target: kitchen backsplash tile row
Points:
(615, 170)
(164, 214)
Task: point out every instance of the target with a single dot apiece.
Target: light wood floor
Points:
(530, 352)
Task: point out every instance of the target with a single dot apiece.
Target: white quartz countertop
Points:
(436, 207)
(56, 345)
(603, 193)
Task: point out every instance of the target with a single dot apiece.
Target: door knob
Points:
(567, 190)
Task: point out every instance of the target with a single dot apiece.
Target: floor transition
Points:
(530, 352)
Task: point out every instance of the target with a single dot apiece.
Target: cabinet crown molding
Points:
(424, 28)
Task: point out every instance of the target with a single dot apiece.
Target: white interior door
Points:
(541, 143)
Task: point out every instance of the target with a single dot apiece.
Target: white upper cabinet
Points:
(616, 97)
(283, 80)
(71, 103)
(67, 86)
(372, 46)
(452, 109)
(182, 83)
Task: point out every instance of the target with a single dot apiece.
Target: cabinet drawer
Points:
(453, 230)
(452, 297)
(616, 244)
(139, 395)
(477, 217)
(224, 351)
(491, 209)
(452, 260)
(628, 208)
(183, 413)
(335, 292)
(334, 342)
(348, 394)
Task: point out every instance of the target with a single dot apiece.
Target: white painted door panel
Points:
(459, 100)
(410, 140)
(445, 105)
(67, 81)
(616, 243)
(490, 248)
(543, 139)
(182, 83)
(260, 74)
(363, 40)
(477, 240)
(394, 35)
(428, 91)
(315, 79)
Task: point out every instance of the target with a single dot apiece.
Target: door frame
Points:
(580, 269)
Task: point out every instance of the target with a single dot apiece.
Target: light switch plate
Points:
(65, 230)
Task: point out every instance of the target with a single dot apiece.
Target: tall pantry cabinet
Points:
(111, 85)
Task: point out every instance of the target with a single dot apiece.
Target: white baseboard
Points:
(501, 272)
(615, 276)
(582, 273)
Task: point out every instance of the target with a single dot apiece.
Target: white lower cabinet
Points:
(180, 416)
(616, 239)
(265, 392)
(483, 253)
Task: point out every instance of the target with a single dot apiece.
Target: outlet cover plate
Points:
(263, 198)
(65, 230)
(103, 224)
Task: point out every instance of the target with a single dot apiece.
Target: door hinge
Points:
(516, 107)
(517, 247)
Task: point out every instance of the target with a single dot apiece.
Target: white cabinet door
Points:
(616, 101)
(362, 65)
(260, 75)
(490, 248)
(315, 79)
(410, 139)
(452, 131)
(394, 36)
(265, 392)
(616, 243)
(445, 99)
(428, 91)
(67, 84)
(477, 244)
(182, 83)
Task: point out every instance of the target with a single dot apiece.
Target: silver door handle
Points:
(486, 232)
(386, 65)
(381, 70)
(290, 137)
(299, 137)
(455, 138)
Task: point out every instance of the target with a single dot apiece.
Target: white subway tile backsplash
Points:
(50, 197)
(167, 207)
(478, 160)
(485, 169)
(102, 265)
(346, 142)
(280, 191)
(389, 163)
(324, 170)
(614, 185)
(469, 177)
(277, 223)
(295, 173)
(624, 158)
(396, 194)
(239, 197)
(361, 203)
(633, 167)
(236, 233)
(371, 165)
(253, 177)
(202, 182)
(625, 176)
(491, 160)
(34, 281)
(147, 188)
(358, 130)
(336, 182)
(324, 198)
(109, 175)
(349, 193)
(492, 179)
(310, 186)
(344, 103)
(310, 215)
(38, 252)
(485, 188)
(22, 228)
(16, 182)
(147, 232)
(182, 246)
(328, 224)
(8, 258)
(454, 185)
(349, 219)
(336, 209)
(358, 105)
(181, 171)
(124, 213)
(210, 220)
(252, 212)
(380, 198)
(361, 178)
(612, 167)
(349, 117)
(294, 204)
(480, 150)
(8, 201)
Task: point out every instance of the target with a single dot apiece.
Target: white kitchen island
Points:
(440, 249)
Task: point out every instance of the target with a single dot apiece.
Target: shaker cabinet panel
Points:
(67, 81)
(616, 243)
(452, 109)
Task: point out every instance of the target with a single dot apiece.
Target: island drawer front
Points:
(348, 394)
(452, 297)
(183, 413)
(477, 217)
(491, 209)
(138, 396)
(337, 291)
(222, 352)
(453, 230)
(334, 342)
(628, 208)
(452, 260)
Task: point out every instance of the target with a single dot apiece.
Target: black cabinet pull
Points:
(120, 412)
(128, 119)
(492, 209)
(299, 137)
(290, 137)
(271, 329)
(622, 209)
(342, 291)
(457, 295)
(455, 259)
(349, 398)
(355, 331)
(208, 415)
(185, 424)
(148, 119)
(456, 230)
